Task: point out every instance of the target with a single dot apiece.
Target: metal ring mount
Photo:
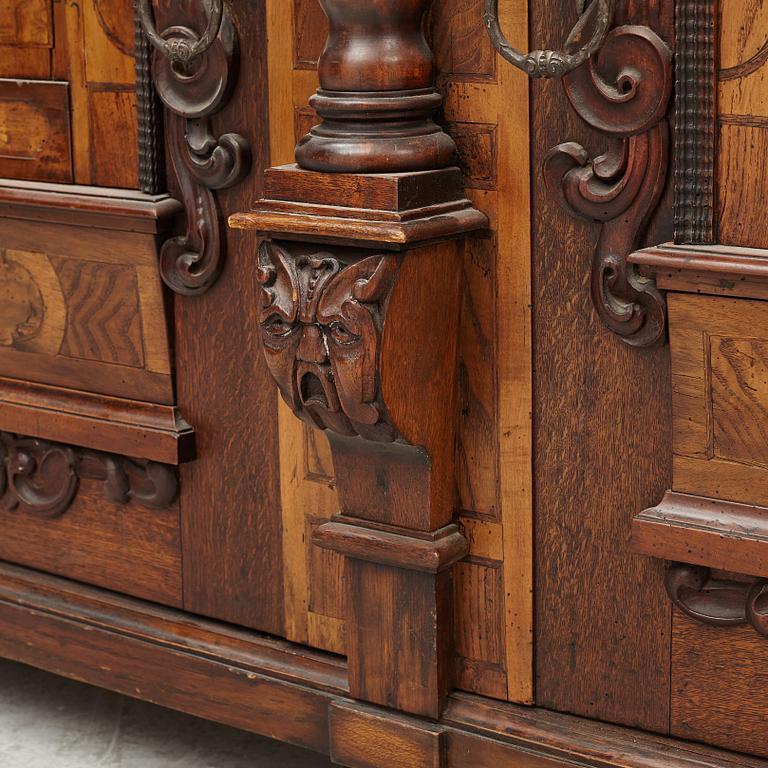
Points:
(554, 63)
(179, 49)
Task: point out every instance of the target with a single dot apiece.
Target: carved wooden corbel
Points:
(41, 478)
(360, 273)
(193, 90)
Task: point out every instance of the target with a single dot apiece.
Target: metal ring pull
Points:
(599, 13)
(179, 49)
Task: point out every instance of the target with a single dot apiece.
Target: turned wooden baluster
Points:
(361, 272)
(377, 96)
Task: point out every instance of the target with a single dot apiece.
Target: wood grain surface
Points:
(230, 503)
(602, 452)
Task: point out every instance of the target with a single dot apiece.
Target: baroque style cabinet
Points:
(373, 384)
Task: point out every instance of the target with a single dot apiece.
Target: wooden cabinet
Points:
(358, 390)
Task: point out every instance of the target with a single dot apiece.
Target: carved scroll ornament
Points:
(321, 321)
(194, 90)
(717, 602)
(41, 478)
(624, 93)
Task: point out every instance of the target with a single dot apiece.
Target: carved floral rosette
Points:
(41, 478)
(321, 319)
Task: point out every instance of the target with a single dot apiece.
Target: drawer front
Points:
(83, 308)
(90, 516)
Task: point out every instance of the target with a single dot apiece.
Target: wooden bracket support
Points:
(360, 273)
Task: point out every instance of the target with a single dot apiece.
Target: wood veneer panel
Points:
(26, 23)
(35, 138)
(720, 685)
(230, 498)
(312, 583)
(742, 142)
(602, 450)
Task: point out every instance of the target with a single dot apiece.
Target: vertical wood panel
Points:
(603, 450)
(312, 581)
(230, 503)
(487, 112)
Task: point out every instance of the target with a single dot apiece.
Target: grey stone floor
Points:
(49, 722)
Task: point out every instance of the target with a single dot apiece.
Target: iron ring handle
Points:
(551, 63)
(179, 49)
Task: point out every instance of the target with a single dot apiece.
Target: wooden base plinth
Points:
(296, 695)
(399, 603)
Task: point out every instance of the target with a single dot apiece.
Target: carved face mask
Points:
(321, 325)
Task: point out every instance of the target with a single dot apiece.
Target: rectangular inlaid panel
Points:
(35, 139)
(26, 23)
(720, 397)
(83, 308)
(84, 47)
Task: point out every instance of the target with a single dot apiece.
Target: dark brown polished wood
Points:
(357, 266)
(377, 96)
(297, 695)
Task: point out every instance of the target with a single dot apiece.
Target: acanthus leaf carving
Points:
(41, 478)
(623, 92)
(321, 319)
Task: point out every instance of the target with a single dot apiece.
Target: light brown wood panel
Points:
(742, 106)
(35, 138)
(720, 396)
(76, 314)
(312, 585)
(113, 114)
(88, 46)
(720, 686)
(486, 109)
(494, 453)
(26, 23)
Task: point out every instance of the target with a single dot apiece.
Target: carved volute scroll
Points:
(360, 273)
(41, 478)
(624, 93)
(193, 92)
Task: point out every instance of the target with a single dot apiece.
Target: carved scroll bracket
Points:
(623, 93)
(718, 602)
(41, 478)
(194, 91)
